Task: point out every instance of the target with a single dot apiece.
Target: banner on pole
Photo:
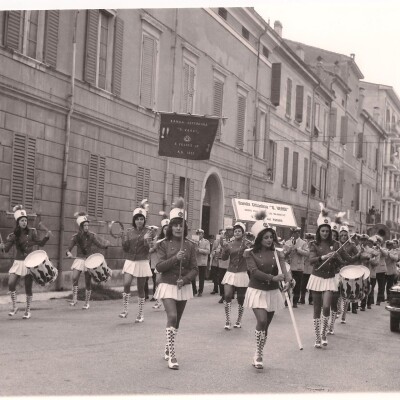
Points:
(277, 214)
(187, 136)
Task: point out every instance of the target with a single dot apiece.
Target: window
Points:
(104, 49)
(305, 176)
(222, 12)
(295, 168)
(271, 161)
(261, 142)
(241, 120)
(341, 184)
(344, 126)
(265, 52)
(245, 33)
(33, 33)
(285, 166)
(325, 128)
(322, 182)
(189, 81)
(142, 184)
(332, 122)
(276, 84)
(289, 97)
(218, 97)
(96, 179)
(23, 171)
(308, 113)
(314, 179)
(299, 103)
(317, 115)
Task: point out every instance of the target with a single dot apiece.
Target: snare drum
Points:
(351, 284)
(97, 267)
(41, 268)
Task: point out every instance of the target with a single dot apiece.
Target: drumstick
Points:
(44, 227)
(289, 306)
(349, 239)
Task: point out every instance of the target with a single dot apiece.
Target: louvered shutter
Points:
(285, 166)
(332, 122)
(13, 30)
(92, 28)
(299, 103)
(96, 182)
(117, 56)
(51, 37)
(23, 171)
(360, 145)
(276, 83)
(147, 78)
(241, 115)
(305, 176)
(308, 112)
(295, 168)
(217, 104)
(341, 184)
(142, 184)
(190, 202)
(175, 187)
(289, 97)
(344, 123)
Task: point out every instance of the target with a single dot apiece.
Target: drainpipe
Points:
(361, 172)
(165, 200)
(255, 114)
(59, 280)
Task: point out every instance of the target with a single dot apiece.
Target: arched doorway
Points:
(212, 204)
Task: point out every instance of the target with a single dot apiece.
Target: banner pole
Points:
(184, 215)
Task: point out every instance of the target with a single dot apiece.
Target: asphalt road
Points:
(63, 350)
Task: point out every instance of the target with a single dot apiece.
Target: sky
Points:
(368, 28)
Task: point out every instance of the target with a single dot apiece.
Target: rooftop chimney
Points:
(320, 65)
(353, 56)
(336, 67)
(278, 28)
(300, 52)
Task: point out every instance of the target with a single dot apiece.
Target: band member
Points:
(154, 257)
(297, 250)
(178, 267)
(306, 275)
(381, 270)
(202, 252)
(263, 294)
(214, 264)
(23, 238)
(322, 280)
(391, 260)
(236, 276)
(136, 245)
(335, 231)
(226, 236)
(83, 240)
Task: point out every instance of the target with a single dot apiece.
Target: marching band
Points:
(334, 267)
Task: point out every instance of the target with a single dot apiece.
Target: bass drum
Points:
(97, 267)
(351, 285)
(41, 268)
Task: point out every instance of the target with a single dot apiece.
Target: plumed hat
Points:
(19, 212)
(261, 222)
(323, 218)
(241, 225)
(344, 228)
(177, 209)
(165, 219)
(81, 217)
(334, 226)
(142, 209)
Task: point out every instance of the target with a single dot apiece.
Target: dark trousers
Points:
(371, 293)
(146, 285)
(303, 290)
(389, 284)
(221, 274)
(202, 277)
(214, 277)
(381, 279)
(297, 276)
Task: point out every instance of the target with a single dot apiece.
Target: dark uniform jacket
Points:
(24, 245)
(84, 243)
(317, 250)
(234, 251)
(135, 245)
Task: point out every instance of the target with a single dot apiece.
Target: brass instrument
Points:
(381, 230)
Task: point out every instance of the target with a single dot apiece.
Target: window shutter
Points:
(357, 197)
(117, 56)
(295, 169)
(332, 122)
(190, 202)
(289, 97)
(13, 30)
(217, 104)
(285, 166)
(344, 124)
(175, 187)
(305, 176)
(276, 83)
(23, 171)
(96, 181)
(142, 184)
(377, 159)
(51, 37)
(147, 79)
(299, 103)
(92, 26)
(241, 115)
(308, 112)
(341, 183)
(322, 179)
(360, 145)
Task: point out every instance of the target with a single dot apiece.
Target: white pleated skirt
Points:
(270, 300)
(168, 291)
(79, 264)
(18, 268)
(138, 269)
(238, 279)
(322, 285)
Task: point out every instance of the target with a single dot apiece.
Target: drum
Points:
(97, 267)
(366, 280)
(41, 268)
(351, 285)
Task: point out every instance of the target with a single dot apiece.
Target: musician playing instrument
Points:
(23, 238)
(178, 267)
(307, 273)
(381, 270)
(391, 260)
(83, 240)
(297, 250)
(322, 280)
(263, 294)
(236, 276)
(136, 243)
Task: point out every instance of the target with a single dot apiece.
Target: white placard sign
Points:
(277, 214)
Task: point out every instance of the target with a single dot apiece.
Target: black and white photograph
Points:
(200, 199)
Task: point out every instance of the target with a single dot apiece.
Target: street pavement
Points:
(64, 350)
